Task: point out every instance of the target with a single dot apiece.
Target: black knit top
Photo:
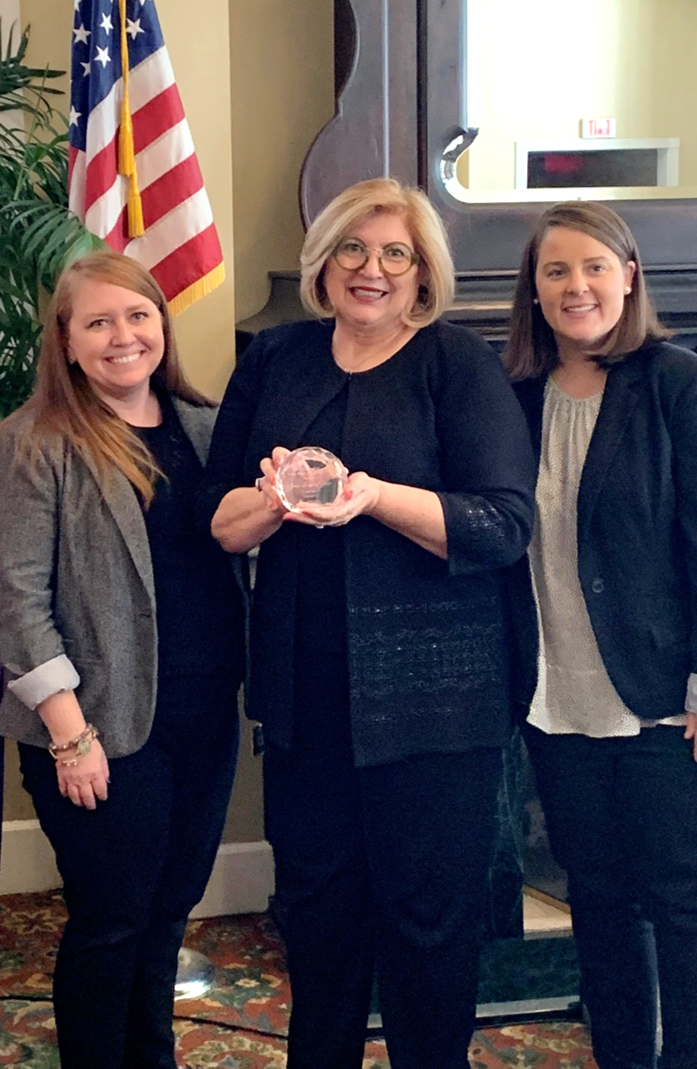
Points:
(198, 603)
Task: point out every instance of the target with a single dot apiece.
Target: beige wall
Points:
(201, 62)
(674, 101)
(282, 95)
(628, 59)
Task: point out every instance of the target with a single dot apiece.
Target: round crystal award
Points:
(310, 477)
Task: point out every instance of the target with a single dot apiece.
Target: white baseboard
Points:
(26, 859)
(241, 881)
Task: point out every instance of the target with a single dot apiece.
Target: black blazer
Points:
(637, 530)
(427, 651)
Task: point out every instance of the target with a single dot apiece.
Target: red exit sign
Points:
(598, 127)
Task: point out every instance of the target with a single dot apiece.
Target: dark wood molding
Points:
(483, 301)
(373, 129)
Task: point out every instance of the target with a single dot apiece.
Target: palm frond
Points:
(38, 233)
(24, 88)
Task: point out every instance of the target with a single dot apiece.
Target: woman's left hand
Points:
(691, 732)
(86, 782)
(360, 497)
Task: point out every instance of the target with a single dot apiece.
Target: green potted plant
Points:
(38, 235)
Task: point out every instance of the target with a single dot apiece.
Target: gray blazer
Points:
(77, 598)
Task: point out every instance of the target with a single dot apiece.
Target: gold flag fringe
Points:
(201, 288)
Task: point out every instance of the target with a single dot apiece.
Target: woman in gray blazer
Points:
(612, 717)
(121, 635)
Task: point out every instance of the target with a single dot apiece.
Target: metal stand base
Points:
(566, 1008)
(195, 974)
(493, 1014)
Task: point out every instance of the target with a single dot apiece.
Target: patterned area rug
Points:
(242, 1022)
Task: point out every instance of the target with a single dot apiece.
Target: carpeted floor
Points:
(241, 1024)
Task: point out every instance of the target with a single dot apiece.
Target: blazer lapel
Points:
(531, 397)
(620, 398)
(122, 502)
(197, 423)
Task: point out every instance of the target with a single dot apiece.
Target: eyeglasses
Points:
(395, 259)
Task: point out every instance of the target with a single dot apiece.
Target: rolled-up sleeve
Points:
(47, 679)
(691, 694)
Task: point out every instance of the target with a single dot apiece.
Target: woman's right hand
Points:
(248, 515)
(267, 482)
(86, 782)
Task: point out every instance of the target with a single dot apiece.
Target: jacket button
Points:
(597, 586)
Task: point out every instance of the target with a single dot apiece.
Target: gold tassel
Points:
(127, 156)
(198, 289)
(136, 227)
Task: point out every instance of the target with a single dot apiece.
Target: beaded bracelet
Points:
(82, 745)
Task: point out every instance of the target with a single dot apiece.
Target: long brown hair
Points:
(64, 403)
(532, 347)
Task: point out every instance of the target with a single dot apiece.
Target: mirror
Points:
(529, 90)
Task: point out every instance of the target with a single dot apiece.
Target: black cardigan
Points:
(426, 637)
(636, 533)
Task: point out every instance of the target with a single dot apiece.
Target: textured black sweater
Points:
(426, 638)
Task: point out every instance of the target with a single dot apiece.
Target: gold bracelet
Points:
(82, 745)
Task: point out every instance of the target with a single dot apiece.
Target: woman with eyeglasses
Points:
(379, 663)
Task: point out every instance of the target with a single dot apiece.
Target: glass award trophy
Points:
(310, 477)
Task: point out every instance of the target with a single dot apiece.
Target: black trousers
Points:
(381, 868)
(132, 870)
(620, 816)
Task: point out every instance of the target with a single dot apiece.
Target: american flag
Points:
(179, 242)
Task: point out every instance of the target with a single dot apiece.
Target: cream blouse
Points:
(574, 693)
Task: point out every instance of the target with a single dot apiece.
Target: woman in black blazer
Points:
(612, 718)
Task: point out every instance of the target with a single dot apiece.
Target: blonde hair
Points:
(64, 403)
(354, 206)
(532, 347)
